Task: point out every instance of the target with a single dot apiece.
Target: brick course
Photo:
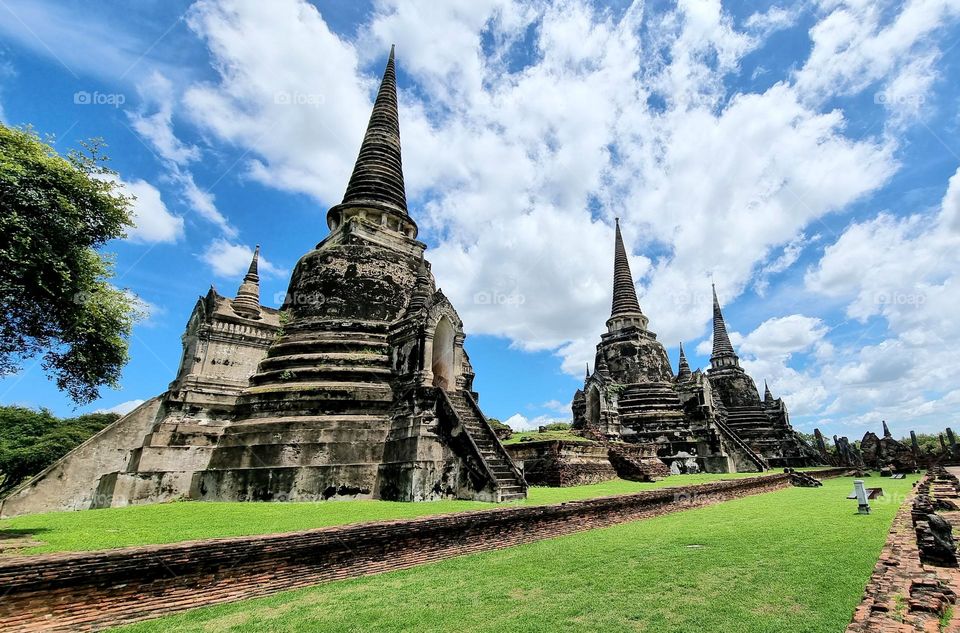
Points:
(95, 590)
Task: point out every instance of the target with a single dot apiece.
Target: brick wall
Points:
(90, 591)
(903, 594)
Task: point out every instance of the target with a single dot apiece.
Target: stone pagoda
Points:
(763, 424)
(634, 396)
(359, 387)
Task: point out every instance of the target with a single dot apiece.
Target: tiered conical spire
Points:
(247, 302)
(684, 371)
(588, 372)
(723, 354)
(767, 394)
(624, 292)
(600, 365)
(378, 174)
(422, 289)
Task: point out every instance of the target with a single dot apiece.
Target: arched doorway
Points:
(593, 407)
(443, 355)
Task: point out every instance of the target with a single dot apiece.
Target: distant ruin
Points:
(696, 421)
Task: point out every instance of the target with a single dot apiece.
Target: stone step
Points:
(310, 423)
(292, 453)
(327, 359)
(321, 373)
(305, 436)
(346, 343)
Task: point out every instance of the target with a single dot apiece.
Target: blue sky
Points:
(800, 155)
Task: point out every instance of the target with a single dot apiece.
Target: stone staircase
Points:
(510, 483)
(731, 436)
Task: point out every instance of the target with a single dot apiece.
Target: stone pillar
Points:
(426, 374)
(458, 340)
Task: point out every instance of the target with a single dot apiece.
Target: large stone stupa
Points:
(359, 387)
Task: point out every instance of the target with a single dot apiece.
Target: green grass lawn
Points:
(792, 561)
(546, 435)
(189, 520)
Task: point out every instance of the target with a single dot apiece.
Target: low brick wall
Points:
(91, 591)
(904, 595)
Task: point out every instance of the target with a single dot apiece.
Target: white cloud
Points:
(859, 43)
(902, 271)
(123, 408)
(556, 405)
(289, 89)
(230, 260)
(157, 128)
(519, 422)
(153, 222)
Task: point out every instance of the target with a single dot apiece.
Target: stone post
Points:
(863, 505)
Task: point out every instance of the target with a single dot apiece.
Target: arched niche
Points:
(593, 407)
(444, 354)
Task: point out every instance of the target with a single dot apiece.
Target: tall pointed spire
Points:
(723, 354)
(767, 394)
(377, 179)
(626, 308)
(378, 174)
(684, 370)
(588, 372)
(886, 429)
(247, 302)
(624, 292)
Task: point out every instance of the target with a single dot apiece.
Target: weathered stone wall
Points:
(562, 462)
(71, 482)
(735, 388)
(87, 591)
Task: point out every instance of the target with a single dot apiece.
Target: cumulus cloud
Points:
(230, 260)
(123, 408)
(154, 123)
(519, 422)
(902, 271)
(152, 220)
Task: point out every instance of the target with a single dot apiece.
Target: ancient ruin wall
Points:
(71, 482)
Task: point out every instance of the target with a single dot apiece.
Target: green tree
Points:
(55, 295)
(32, 440)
